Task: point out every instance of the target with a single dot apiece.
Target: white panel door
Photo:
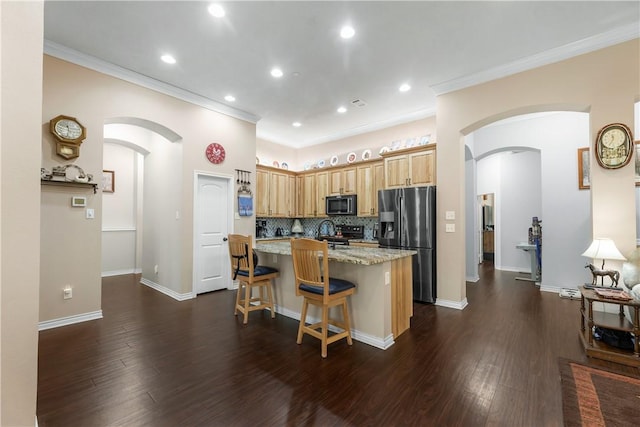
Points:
(211, 257)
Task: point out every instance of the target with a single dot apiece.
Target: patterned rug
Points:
(595, 397)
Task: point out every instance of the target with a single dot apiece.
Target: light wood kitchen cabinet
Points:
(342, 181)
(412, 167)
(309, 206)
(275, 195)
(315, 191)
(370, 179)
(262, 193)
(322, 191)
(299, 195)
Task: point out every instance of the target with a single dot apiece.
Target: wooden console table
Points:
(618, 322)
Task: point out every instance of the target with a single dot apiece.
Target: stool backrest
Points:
(311, 264)
(241, 255)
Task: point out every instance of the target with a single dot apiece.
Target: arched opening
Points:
(529, 164)
(141, 233)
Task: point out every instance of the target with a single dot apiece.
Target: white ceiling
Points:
(436, 47)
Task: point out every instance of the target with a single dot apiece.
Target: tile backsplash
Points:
(310, 225)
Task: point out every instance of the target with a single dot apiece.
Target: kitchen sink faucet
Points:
(322, 223)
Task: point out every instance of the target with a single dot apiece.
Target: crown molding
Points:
(62, 52)
(370, 127)
(590, 44)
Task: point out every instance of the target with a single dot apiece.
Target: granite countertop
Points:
(347, 254)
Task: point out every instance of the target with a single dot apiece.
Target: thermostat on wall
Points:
(80, 202)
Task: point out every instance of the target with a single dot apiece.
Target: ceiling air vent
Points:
(358, 103)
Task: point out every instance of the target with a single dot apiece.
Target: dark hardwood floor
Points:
(153, 361)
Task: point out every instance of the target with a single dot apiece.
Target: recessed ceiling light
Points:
(216, 10)
(404, 87)
(230, 98)
(347, 32)
(277, 72)
(296, 124)
(168, 59)
(341, 110)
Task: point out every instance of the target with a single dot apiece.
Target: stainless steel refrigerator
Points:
(407, 220)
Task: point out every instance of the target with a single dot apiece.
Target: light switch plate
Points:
(91, 214)
(450, 228)
(450, 215)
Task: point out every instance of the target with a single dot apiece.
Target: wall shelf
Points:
(71, 184)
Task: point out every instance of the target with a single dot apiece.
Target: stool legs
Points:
(243, 304)
(303, 319)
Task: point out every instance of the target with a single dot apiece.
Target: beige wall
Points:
(93, 97)
(604, 83)
(21, 29)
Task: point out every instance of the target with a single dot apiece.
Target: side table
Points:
(618, 322)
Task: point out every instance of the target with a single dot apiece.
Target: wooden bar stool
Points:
(314, 284)
(250, 276)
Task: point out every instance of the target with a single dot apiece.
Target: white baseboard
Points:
(355, 334)
(121, 272)
(169, 292)
(458, 305)
(472, 279)
(523, 270)
(69, 320)
(554, 289)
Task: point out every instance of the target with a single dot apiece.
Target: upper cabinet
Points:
(412, 167)
(284, 194)
(370, 179)
(314, 191)
(274, 195)
(342, 181)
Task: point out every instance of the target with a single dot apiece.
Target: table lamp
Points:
(604, 249)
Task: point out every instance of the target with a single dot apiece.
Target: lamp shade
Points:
(297, 227)
(603, 249)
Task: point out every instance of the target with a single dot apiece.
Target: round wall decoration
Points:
(614, 146)
(215, 153)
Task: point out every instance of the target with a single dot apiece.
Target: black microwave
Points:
(342, 205)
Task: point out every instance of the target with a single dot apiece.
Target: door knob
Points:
(224, 239)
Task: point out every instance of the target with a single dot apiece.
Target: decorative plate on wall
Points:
(215, 153)
(284, 165)
(321, 164)
(351, 157)
(333, 161)
(366, 154)
(276, 164)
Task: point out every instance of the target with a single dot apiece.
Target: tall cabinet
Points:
(370, 179)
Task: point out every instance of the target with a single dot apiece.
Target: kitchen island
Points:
(382, 305)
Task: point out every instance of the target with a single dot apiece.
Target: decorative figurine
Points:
(597, 272)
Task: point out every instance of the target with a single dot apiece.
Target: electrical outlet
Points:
(90, 214)
(67, 292)
(155, 269)
(387, 278)
(450, 228)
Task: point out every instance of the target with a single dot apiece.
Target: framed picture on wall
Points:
(637, 147)
(584, 169)
(108, 181)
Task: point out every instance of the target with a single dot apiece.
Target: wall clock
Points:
(614, 146)
(215, 153)
(69, 133)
